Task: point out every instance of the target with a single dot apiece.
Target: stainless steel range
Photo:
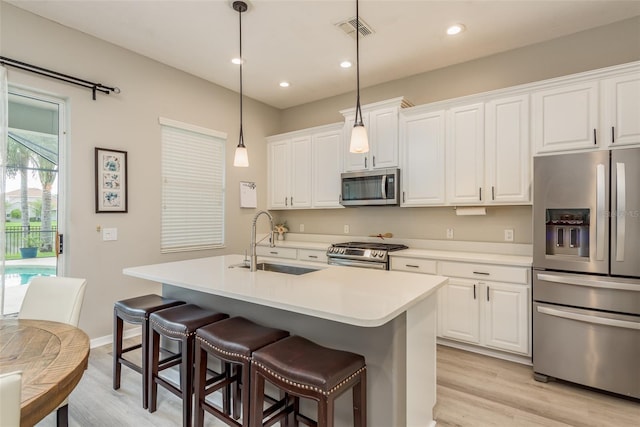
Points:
(362, 254)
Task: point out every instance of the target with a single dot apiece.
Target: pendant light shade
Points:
(241, 158)
(359, 140)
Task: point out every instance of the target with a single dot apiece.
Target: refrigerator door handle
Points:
(589, 318)
(600, 213)
(621, 208)
(590, 283)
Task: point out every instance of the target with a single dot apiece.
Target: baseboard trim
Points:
(108, 339)
(525, 360)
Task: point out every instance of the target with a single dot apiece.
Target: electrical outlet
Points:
(508, 234)
(302, 228)
(449, 233)
(346, 229)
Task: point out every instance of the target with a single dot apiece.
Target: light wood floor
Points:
(473, 390)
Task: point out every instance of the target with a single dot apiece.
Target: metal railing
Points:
(16, 234)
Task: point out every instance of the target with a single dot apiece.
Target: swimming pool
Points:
(15, 275)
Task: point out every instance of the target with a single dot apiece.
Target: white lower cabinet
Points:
(492, 314)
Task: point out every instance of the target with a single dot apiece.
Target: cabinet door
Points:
(506, 316)
(465, 154)
(621, 124)
(507, 154)
(383, 137)
(354, 161)
(565, 118)
(422, 159)
(279, 174)
(459, 310)
(300, 180)
(327, 166)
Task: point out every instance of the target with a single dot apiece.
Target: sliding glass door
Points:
(31, 189)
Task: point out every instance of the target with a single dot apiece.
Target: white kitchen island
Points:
(387, 316)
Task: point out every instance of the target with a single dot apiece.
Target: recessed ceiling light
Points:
(237, 61)
(284, 84)
(345, 64)
(455, 29)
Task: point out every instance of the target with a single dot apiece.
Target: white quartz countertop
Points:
(355, 296)
(478, 257)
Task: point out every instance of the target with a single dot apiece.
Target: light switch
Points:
(109, 234)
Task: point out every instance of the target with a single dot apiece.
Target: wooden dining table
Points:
(52, 357)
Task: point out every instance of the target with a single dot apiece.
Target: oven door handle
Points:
(354, 263)
(590, 283)
(597, 320)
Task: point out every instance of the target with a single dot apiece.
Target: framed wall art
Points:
(111, 180)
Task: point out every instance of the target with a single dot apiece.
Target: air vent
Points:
(349, 27)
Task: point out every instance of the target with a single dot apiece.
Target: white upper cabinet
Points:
(278, 155)
(566, 117)
(621, 118)
(422, 161)
(289, 177)
(303, 169)
(381, 121)
(465, 154)
(327, 166)
(507, 150)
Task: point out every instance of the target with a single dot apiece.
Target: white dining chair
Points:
(10, 386)
(58, 299)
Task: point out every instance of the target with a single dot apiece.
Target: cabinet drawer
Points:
(485, 272)
(277, 252)
(425, 266)
(311, 255)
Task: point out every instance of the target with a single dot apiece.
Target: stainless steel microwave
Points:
(371, 188)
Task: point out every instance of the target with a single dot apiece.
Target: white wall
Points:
(128, 121)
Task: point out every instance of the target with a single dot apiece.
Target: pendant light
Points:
(241, 158)
(359, 140)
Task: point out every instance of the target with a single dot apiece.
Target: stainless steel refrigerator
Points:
(586, 277)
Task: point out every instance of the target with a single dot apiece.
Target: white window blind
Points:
(193, 171)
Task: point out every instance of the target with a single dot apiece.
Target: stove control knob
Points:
(341, 250)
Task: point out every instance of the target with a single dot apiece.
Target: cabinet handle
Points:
(374, 161)
(312, 256)
(412, 265)
(273, 252)
(286, 201)
(474, 291)
(493, 192)
(480, 193)
(487, 293)
(291, 201)
(613, 135)
(403, 198)
(365, 162)
(482, 273)
(595, 139)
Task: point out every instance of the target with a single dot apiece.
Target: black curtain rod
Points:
(95, 87)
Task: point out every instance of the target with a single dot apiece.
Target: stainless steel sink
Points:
(280, 268)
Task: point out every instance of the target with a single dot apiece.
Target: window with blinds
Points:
(193, 171)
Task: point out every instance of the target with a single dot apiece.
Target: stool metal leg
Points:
(186, 380)
(154, 357)
(117, 349)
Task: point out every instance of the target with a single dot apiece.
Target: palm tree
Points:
(47, 173)
(18, 157)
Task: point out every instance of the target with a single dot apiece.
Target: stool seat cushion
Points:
(140, 307)
(183, 320)
(238, 336)
(305, 363)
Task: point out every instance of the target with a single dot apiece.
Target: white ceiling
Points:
(298, 41)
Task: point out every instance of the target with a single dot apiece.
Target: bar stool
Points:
(305, 369)
(231, 341)
(177, 324)
(136, 311)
